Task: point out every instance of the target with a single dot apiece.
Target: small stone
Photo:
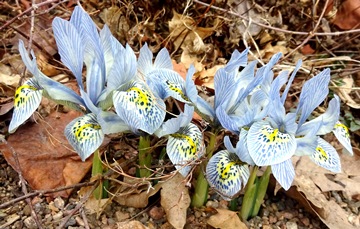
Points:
(212, 204)
(52, 207)
(70, 222)
(27, 210)
(266, 227)
(274, 207)
(223, 204)
(58, 216)
(121, 216)
(197, 214)
(59, 203)
(305, 221)
(30, 223)
(272, 219)
(157, 213)
(288, 215)
(291, 225)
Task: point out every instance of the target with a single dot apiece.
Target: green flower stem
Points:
(97, 170)
(254, 193)
(233, 204)
(144, 156)
(201, 187)
(250, 194)
(261, 191)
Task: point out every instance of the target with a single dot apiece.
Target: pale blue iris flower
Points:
(228, 170)
(274, 140)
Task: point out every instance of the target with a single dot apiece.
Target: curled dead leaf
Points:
(225, 219)
(175, 200)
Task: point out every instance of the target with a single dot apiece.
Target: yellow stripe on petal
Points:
(342, 134)
(268, 145)
(85, 135)
(27, 100)
(227, 174)
(326, 156)
(184, 147)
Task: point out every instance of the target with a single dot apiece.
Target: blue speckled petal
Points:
(268, 145)
(227, 174)
(326, 156)
(141, 106)
(184, 147)
(27, 100)
(342, 134)
(84, 135)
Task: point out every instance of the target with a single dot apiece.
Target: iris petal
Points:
(326, 156)
(185, 146)
(284, 173)
(27, 100)
(141, 105)
(227, 174)
(84, 135)
(268, 145)
(342, 134)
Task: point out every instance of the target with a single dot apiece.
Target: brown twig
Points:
(79, 205)
(311, 34)
(43, 192)
(34, 7)
(23, 184)
(276, 28)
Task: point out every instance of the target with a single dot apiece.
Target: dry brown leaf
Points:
(7, 78)
(345, 91)
(348, 15)
(269, 50)
(175, 200)
(206, 77)
(311, 181)
(186, 34)
(225, 219)
(139, 194)
(46, 159)
(189, 59)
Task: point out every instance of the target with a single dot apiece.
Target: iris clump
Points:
(123, 93)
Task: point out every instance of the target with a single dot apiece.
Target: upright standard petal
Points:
(342, 134)
(326, 156)
(268, 145)
(71, 48)
(141, 105)
(27, 100)
(312, 94)
(284, 173)
(84, 135)
(185, 146)
(53, 89)
(327, 120)
(227, 174)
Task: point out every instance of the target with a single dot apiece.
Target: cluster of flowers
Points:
(247, 102)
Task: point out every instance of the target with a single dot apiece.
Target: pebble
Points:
(30, 223)
(79, 221)
(291, 225)
(266, 227)
(272, 219)
(121, 216)
(305, 221)
(212, 204)
(59, 203)
(288, 215)
(27, 210)
(157, 213)
(58, 216)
